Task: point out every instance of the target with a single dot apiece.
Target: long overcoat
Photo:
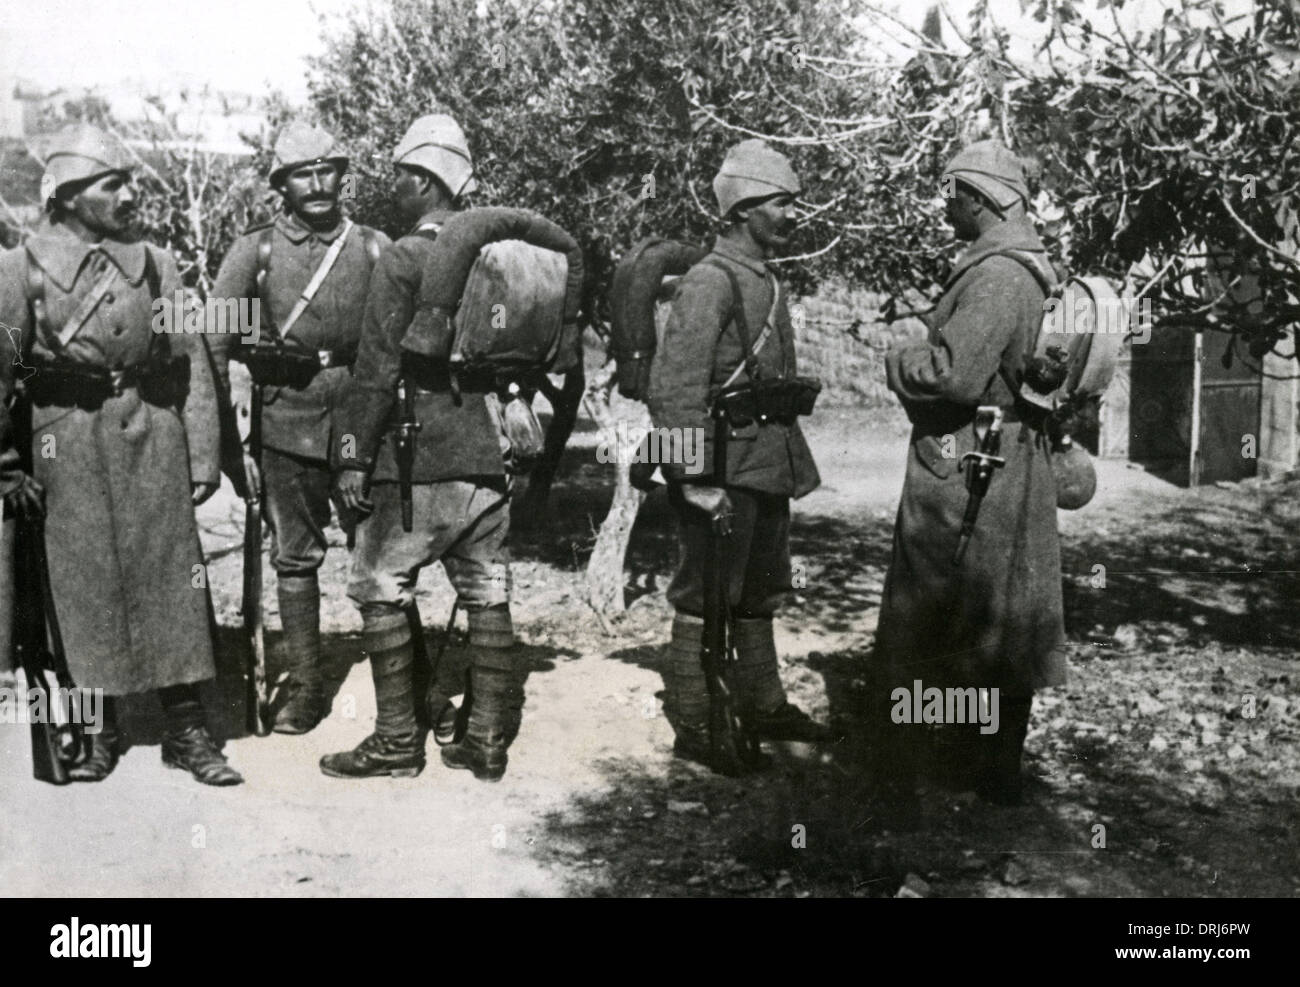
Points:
(125, 562)
(995, 619)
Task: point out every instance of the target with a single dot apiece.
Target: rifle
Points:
(734, 748)
(988, 432)
(37, 639)
(258, 698)
(38, 644)
(404, 433)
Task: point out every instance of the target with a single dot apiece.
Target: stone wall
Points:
(849, 359)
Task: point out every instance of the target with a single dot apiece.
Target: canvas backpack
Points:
(1084, 324)
(507, 297)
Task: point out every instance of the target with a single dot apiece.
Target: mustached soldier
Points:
(309, 238)
(995, 619)
(121, 452)
(767, 463)
(461, 507)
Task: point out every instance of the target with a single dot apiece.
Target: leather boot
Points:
(105, 748)
(495, 699)
(758, 681)
(300, 617)
(187, 744)
(396, 748)
(399, 756)
(1001, 781)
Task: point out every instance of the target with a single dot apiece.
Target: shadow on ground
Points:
(1203, 574)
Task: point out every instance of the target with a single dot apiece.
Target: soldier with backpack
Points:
(730, 325)
(973, 594)
(308, 269)
(428, 446)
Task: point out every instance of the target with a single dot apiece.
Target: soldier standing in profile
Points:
(767, 462)
(124, 444)
(461, 504)
(994, 619)
(310, 269)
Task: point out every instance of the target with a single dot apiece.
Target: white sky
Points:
(249, 46)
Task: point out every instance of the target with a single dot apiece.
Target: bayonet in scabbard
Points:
(982, 464)
(404, 433)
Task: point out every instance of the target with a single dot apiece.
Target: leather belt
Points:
(434, 377)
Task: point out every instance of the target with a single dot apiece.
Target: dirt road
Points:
(1149, 742)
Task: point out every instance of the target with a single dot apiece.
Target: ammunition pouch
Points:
(280, 365)
(777, 399)
(69, 384)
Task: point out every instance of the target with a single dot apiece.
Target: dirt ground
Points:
(1176, 736)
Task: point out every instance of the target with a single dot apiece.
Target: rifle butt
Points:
(257, 701)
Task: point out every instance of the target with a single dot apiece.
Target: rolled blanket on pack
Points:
(636, 286)
(456, 251)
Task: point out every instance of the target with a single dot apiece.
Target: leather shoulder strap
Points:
(35, 288)
(1048, 286)
(264, 241)
(317, 279)
(737, 311)
(151, 276)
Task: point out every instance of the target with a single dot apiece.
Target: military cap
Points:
(437, 144)
(299, 144)
(77, 153)
(993, 170)
(753, 170)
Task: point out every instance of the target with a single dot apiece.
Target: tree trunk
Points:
(605, 575)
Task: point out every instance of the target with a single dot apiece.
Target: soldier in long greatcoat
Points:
(117, 465)
(995, 619)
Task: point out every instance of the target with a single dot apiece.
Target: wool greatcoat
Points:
(120, 536)
(996, 619)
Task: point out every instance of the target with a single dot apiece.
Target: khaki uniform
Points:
(299, 425)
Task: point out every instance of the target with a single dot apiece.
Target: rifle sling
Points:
(750, 365)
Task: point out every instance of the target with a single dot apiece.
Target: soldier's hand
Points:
(352, 488)
(28, 499)
(713, 501)
(199, 492)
